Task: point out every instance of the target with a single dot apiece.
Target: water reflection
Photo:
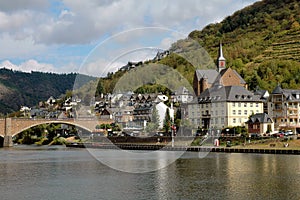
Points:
(135, 161)
(75, 174)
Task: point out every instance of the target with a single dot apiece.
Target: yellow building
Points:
(222, 106)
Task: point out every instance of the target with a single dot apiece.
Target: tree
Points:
(154, 124)
(155, 118)
(167, 121)
(99, 89)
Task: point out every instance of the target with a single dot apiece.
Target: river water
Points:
(29, 172)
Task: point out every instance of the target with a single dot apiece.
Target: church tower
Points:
(221, 60)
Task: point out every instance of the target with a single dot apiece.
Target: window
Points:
(251, 104)
(245, 104)
(216, 121)
(239, 112)
(256, 104)
(234, 120)
(233, 104)
(223, 112)
(239, 104)
(222, 120)
(233, 112)
(245, 112)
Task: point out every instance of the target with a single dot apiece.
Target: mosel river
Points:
(39, 173)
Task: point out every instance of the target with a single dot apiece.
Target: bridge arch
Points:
(10, 127)
(52, 122)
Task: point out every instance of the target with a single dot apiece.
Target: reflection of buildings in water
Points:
(259, 175)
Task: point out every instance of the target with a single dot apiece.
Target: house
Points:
(161, 54)
(284, 108)
(183, 95)
(51, 100)
(161, 111)
(131, 65)
(105, 114)
(264, 96)
(144, 105)
(124, 115)
(260, 123)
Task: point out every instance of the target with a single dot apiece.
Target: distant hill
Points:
(261, 41)
(20, 88)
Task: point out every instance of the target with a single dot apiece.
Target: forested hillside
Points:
(19, 88)
(261, 41)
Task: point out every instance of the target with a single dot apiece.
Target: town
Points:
(220, 103)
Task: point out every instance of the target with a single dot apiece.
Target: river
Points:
(31, 173)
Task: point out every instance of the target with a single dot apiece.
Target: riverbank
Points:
(154, 147)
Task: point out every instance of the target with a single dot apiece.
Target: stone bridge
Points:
(10, 127)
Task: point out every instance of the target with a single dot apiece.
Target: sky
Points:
(96, 36)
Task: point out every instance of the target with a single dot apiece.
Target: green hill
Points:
(20, 88)
(261, 41)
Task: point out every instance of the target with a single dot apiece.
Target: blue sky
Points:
(93, 36)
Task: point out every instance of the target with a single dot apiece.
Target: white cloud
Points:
(15, 5)
(83, 22)
(28, 66)
(34, 65)
(19, 48)
(30, 29)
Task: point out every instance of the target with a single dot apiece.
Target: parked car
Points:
(288, 133)
(255, 135)
(278, 134)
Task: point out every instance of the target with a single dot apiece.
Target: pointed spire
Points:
(221, 57)
(221, 60)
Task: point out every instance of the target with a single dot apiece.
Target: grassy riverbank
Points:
(272, 144)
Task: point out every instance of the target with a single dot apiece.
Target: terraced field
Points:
(286, 47)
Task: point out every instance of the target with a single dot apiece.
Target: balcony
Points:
(293, 116)
(292, 108)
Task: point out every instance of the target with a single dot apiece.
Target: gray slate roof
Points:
(228, 93)
(289, 94)
(260, 118)
(210, 74)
